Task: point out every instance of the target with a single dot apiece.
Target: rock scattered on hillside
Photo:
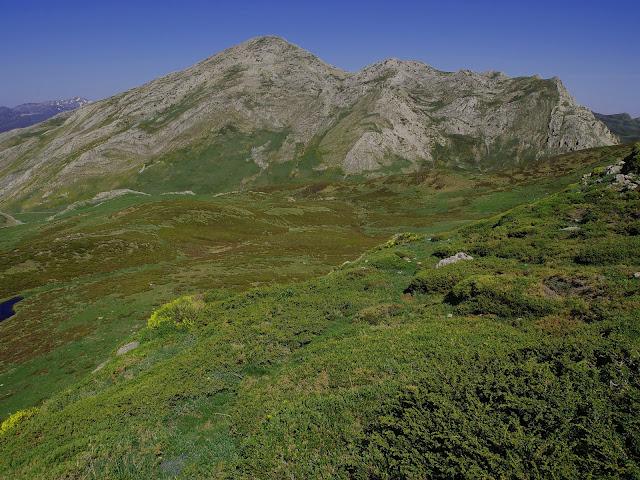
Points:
(100, 367)
(127, 348)
(623, 175)
(453, 259)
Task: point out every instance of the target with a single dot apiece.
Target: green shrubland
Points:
(179, 313)
(13, 420)
(521, 363)
(507, 296)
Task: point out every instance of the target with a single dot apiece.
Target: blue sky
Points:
(54, 49)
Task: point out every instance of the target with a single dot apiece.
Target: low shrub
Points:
(218, 295)
(577, 285)
(633, 228)
(402, 253)
(440, 280)
(521, 232)
(524, 251)
(181, 312)
(592, 312)
(390, 260)
(403, 239)
(504, 295)
(534, 415)
(611, 251)
(447, 249)
(14, 419)
(378, 313)
(632, 162)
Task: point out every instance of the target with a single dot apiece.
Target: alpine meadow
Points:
(264, 266)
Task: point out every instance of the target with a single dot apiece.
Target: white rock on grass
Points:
(127, 348)
(453, 259)
(615, 168)
(100, 367)
(626, 182)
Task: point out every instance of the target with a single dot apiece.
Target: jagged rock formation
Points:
(267, 111)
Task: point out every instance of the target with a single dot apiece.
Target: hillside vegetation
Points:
(91, 275)
(520, 363)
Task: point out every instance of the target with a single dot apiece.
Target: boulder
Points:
(453, 259)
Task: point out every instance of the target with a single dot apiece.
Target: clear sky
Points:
(54, 49)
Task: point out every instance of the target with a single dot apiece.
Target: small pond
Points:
(6, 307)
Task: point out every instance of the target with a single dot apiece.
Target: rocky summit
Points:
(267, 112)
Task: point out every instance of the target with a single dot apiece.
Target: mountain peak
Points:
(267, 39)
(267, 43)
(267, 50)
(395, 71)
(400, 64)
(279, 108)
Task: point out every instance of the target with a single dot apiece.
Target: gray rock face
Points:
(100, 367)
(277, 107)
(615, 168)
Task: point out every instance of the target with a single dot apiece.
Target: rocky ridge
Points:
(268, 111)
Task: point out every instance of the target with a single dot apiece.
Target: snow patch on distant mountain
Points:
(28, 114)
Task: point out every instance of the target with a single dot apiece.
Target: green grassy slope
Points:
(522, 363)
(92, 276)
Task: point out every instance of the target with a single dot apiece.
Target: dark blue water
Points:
(6, 307)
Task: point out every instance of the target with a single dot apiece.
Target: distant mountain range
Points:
(268, 112)
(30, 113)
(623, 125)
